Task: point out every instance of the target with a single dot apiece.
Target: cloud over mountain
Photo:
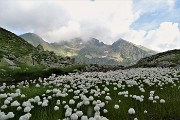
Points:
(104, 20)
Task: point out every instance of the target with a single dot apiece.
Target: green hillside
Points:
(165, 59)
(13, 46)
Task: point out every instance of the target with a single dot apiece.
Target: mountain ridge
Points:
(12, 45)
(95, 51)
(169, 58)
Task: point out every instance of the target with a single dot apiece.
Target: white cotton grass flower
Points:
(145, 111)
(131, 111)
(49, 97)
(18, 91)
(37, 85)
(19, 108)
(135, 119)
(3, 116)
(105, 110)
(23, 96)
(3, 106)
(74, 116)
(26, 103)
(39, 103)
(97, 117)
(48, 91)
(37, 99)
(152, 92)
(3, 95)
(91, 98)
(108, 98)
(96, 108)
(150, 98)
(56, 108)
(67, 107)
(116, 106)
(6, 102)
(84, 118)
(156, 97)
(162, 101)
(25, 117)
(10, 115)
(58, 102)
(27, 109)
(79, 113)
(115, 88)
(15, 103)
(44, 104)
(68, 113)
(9, 98)
(91, 118)
(63, 102)
(71, 102)
(104, 118)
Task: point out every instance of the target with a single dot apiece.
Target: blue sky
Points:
(156, 17)
(151, 23)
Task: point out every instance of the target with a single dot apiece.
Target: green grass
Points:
(156, 111)
(32, 72)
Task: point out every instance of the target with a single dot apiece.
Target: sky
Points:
(154, 24)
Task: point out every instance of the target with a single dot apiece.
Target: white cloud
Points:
(71, 30)
(104, 20)
(135, 36)
(166, 37)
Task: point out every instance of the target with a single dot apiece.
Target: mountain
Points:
(15, 51)
(36, 40)
(165, 59)
(96, 52)
(128, 51)
(33, 39)
(147, 49)
(13, 46)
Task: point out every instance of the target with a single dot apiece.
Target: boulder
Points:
(28, 60)
(6, 62)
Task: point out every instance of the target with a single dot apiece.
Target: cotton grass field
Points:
(132, 94)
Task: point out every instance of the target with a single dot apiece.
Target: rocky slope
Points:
(165, 59)
(15, 51)
(96, 52)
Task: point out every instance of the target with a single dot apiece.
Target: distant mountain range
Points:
(93, 51)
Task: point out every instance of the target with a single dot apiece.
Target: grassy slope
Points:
(12, 44)
(145, 61)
